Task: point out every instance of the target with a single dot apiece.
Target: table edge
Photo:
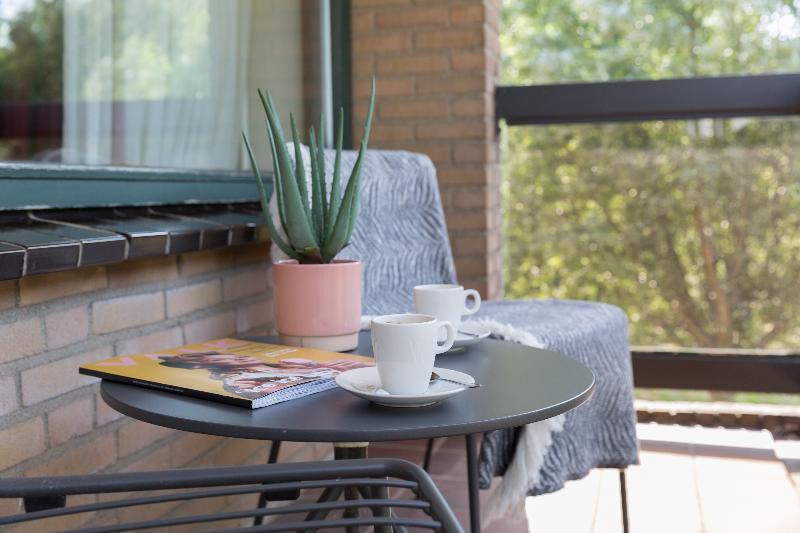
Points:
(316, 435)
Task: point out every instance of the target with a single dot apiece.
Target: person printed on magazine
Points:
(252, 378)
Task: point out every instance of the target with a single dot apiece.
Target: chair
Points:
(416, 502)
(401, 238)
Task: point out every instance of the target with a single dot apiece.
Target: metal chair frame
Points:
(46, 497)
(623, 485)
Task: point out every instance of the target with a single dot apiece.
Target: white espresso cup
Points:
(446, 302)
(405, 347)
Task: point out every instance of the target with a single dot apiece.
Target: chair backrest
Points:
(216, 499)
(401, 236)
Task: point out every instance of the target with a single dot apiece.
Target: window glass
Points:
(148, 82)
(554, 41)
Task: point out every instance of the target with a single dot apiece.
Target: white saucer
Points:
(365, 383)
(470, 333)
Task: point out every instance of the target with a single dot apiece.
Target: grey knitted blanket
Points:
(401, 238)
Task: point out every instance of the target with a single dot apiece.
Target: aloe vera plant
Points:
(318, 229)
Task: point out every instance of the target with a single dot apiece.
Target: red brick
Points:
(439, 152)
(363, 4)
(476, 282)
(471, 174)
(467, 14)
(455, 84)
(462, 219)
(412, 64)
(469, 198)
(386, 131)
(363, 66)
(412, 18)
(361, 21)
(472, 129)
(382, 43)
(471, 107)
(403, 86)
(469, 244)
(448, 39)
(468, 60)
(416, 108)
(470, 152)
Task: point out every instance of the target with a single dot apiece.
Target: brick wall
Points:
(53, 421)
(436, 64)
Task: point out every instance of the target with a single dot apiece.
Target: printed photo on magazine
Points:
(237, 371)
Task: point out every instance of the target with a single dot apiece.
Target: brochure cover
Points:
(246, 373)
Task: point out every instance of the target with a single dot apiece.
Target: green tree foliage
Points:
(30, 53)
(692, 227)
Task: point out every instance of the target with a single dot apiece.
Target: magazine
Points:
(246, 373)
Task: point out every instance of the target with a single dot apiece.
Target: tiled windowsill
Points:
(38, 242)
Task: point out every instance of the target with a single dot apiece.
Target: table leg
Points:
(350, 450)
(330, 494)
(426, 463)
(472, 477)
(274, 450)
(382, 493)
(623, 491)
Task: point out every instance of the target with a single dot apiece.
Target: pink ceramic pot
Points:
(318, 306)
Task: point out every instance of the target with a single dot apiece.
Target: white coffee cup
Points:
(446, 302)
(405, 347)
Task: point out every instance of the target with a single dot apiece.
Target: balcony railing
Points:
(719, 369)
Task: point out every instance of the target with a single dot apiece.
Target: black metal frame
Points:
(46, 497)
(673, 99)
(626, 101)
(733, 372)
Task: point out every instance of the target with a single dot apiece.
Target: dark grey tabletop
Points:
(521, 385)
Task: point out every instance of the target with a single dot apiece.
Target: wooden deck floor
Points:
(689, 480)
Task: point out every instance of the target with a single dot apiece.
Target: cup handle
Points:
(476, 296)
(451, 337)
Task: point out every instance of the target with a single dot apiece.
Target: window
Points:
(558, 41)
(667, 180)
(133, 90)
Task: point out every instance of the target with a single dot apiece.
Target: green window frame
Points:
(27, 186)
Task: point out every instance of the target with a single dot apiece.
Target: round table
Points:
(520, 385)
